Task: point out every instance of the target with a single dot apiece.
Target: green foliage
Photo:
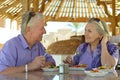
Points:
(75, 25)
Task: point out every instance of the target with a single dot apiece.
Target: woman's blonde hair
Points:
(102, 27)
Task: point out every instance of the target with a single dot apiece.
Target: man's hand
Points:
(37, 63)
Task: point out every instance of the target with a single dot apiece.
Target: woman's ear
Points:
(101, 36)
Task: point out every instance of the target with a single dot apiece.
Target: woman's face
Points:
(91, 34)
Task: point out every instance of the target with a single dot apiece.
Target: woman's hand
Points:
(106, 58)
(104, 40)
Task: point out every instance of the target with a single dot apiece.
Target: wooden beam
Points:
(8, 15)
(105, 7)
(81, 19)
(113, 16)
(42, 6)
(8, 6)
(58, 10)
(25, 5)
(118, 18)
(114, 22)
(35, 5)
(1, 1)
(49, 0)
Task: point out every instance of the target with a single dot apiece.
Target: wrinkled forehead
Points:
(90, 26)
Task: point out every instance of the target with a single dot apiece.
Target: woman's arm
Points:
(106, 58)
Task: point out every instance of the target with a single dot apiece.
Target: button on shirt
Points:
(92, 59)
(16, 52)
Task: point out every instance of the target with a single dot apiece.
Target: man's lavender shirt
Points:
(16, 52)
(93, 59)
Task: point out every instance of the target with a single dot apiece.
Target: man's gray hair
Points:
(30, 20)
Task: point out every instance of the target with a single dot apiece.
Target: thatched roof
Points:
(64, 46)
(63, 10)
(57, 10)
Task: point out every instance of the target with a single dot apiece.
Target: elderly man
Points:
(26, 47)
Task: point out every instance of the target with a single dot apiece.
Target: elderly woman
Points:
(97, 50)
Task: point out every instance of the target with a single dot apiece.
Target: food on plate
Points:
(52, 67)
(104, 67)
(95, 70)
(80, 65)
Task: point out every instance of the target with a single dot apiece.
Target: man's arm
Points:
(36, 64)
(13, 70)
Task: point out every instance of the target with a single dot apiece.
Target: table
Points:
(72, 75)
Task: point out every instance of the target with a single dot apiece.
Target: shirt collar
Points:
(97, 50)
(23, 41)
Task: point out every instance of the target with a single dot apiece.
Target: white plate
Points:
(74, 68)
(50, 69)
(106, 70)
(93, 74)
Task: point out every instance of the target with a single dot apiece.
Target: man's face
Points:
(38, 30)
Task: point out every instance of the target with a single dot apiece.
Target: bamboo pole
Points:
(26, 5)
(114, 22)
(35, 5)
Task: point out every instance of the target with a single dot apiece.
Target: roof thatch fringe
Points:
(64, 46)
